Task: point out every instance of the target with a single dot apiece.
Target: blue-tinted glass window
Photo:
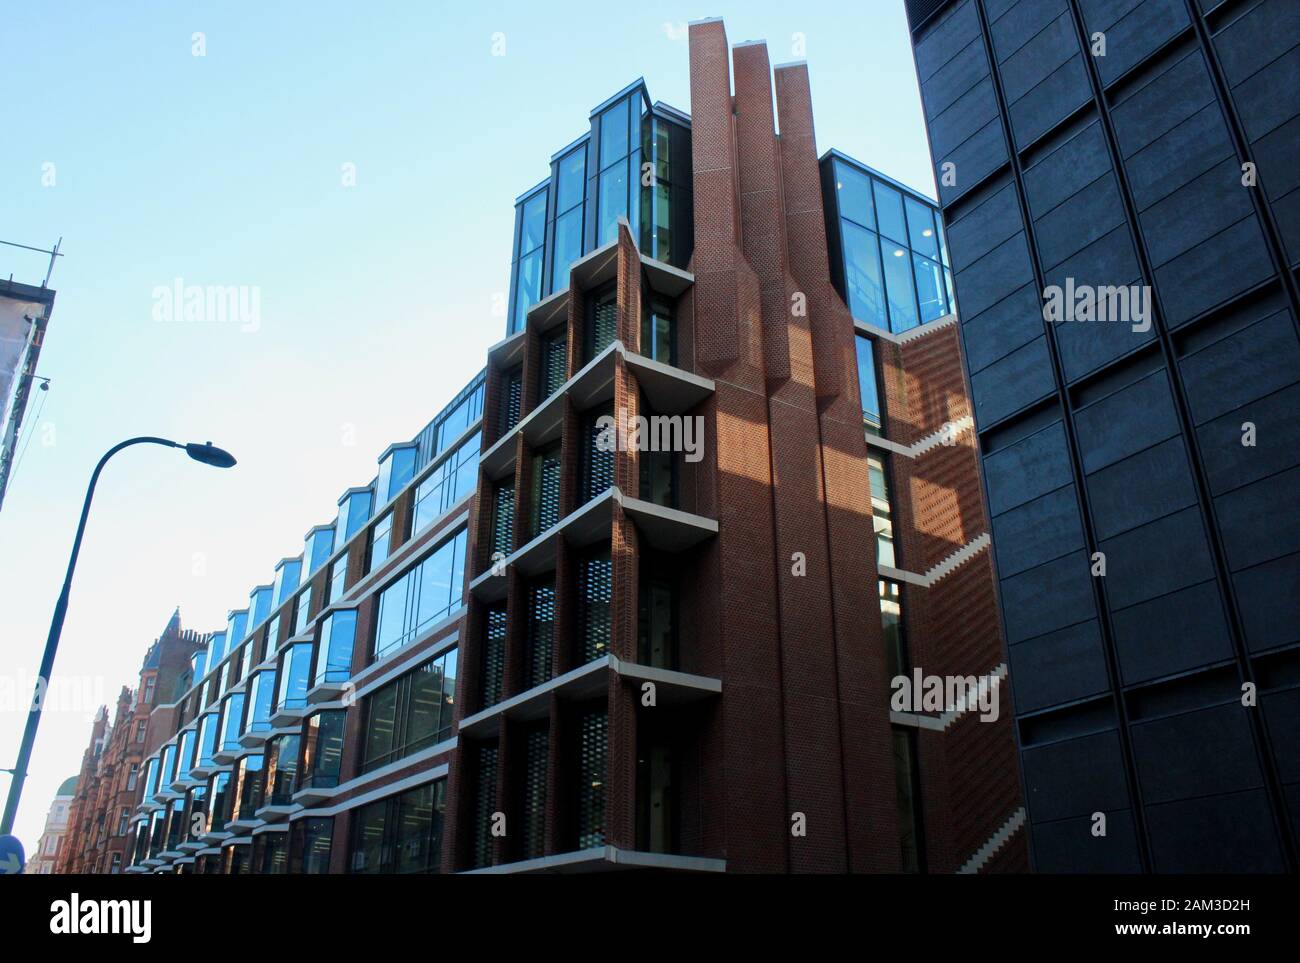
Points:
(613, 134)
(898, 288)
(456, 421)
(449, 483)
(259, 605)
(232, 722)
(943, 242)
(613, 202)
(395, 470)
(381, 538)
(929, 288)
(854, 189)
(529, 291)
(302, 612)
(295, 676)
(354, 512)
(337, 635)
(216, 649)
(568, 247)
(338, 578)
(920, 228)
(532, 228)
(423, 596)
(207, 741)
(261, 699)
(889, 211)
(862, 275)
(572, 169)
(867, 384)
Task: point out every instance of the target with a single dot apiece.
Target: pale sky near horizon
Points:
(375, 299)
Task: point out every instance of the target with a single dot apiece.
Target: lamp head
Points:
(209, 454)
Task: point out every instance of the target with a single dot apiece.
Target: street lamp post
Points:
(206, 453)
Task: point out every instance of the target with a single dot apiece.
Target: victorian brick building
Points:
(536, 643)
(107, 787)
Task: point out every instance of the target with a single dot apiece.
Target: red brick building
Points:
(534, 642)
(107, 787)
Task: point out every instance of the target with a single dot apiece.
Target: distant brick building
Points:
(107, 788)
(45, 857)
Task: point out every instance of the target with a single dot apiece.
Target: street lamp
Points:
(206, 453)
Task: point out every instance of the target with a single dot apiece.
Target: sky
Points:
(353, 167)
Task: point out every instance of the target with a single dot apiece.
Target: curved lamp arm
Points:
(206, 453)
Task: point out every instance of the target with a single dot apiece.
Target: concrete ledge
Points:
(606, 858)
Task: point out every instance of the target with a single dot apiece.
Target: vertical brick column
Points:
(809, 687)
(852, 633)
(727, 337)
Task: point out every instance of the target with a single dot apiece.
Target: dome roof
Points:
(68, 787)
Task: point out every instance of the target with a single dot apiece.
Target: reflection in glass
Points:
(929, 288)
(866, 293)
(898, 287)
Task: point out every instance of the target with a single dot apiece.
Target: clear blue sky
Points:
(376, 300)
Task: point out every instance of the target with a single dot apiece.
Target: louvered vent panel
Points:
(591, 790)
(484, 804)
(604, 324)
(535, 794)
(553, 366)
(541, 632)
(514, 388)
(503, 519)
(494, 655)
(548, 497)
(595, 589)
(597, 458)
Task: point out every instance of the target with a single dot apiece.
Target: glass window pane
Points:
(449, 662)
(435, 586)
(392, 616)
(891, 619)
(889, 208)
(425, 707)
(867, 385)
(882, 519)
(613, 202)
(533, 228)
(920, 228)
(657, 223)
(854, 192)
(898, 287)
(568, 247)
(613, 134)
(572, 167)
(381, 725)
(368, 838)
(381, 538)
(529, 291)
(414, 820)
(862, 275)
(929, 288)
